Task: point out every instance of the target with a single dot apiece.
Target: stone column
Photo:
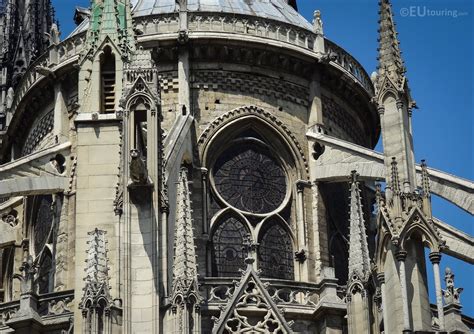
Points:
(401, 257)
(435, 258)
(205, 224)
(381, 279)
(302, 229)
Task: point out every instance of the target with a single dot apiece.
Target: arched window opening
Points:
(107, 73)
(228, 247)
(276, 252)
(140, 128)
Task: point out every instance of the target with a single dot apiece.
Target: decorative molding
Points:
(250, 83)
(232, 115)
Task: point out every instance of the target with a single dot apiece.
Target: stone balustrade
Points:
(284, 293)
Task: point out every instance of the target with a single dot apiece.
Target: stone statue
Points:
(318, 23)
(451, 294)
(138, 172)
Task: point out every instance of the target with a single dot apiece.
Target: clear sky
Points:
(437, 43)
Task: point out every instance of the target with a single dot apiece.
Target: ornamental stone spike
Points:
(359, 258)
(390, 62)
(111, 19)
(184, 264)
(97, 263)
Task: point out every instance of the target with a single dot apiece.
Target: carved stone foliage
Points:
(10, 218)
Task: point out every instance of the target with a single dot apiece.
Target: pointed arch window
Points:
(107, 74)
(251, 176)
(276, 251)
(227, 246)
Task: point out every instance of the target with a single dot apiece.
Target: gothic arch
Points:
(276, 219)
(228, 122)
(231, 212)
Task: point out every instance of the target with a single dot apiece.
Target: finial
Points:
(390, 57)
(451, 294)
(317, 23)
(359, 259)
(425, 179)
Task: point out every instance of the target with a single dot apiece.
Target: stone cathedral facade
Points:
(204, 166)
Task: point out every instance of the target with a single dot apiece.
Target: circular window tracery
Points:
(250, 179)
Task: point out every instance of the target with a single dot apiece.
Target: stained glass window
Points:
(44, 272)
(250, 179)
(228, 252)
(43, 221)
(276, 252)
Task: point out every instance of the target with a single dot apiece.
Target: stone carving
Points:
(250, 292)
(451, 294)
(253, 110)
(138, 171)
(10, 218)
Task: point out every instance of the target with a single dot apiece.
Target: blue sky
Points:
(437, 43)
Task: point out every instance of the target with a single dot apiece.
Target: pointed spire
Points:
(185, 264)
(391, 64)
(359, 258)
(97, 264)
(111, 19)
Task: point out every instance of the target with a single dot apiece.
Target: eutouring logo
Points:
(424, 11)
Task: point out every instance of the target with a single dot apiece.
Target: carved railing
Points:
(55, 304)
(284, 293)
(229, 23)
(350, 64)
(66, 50)
(7, 310)
(254, 26)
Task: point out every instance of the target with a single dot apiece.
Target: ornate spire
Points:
(96, 268)
(359, 258)
(111, 19)
(185, 264)
(391, 64)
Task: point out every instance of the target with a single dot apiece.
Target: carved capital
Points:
(381, 278)
(435, 257)
(401, 256)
